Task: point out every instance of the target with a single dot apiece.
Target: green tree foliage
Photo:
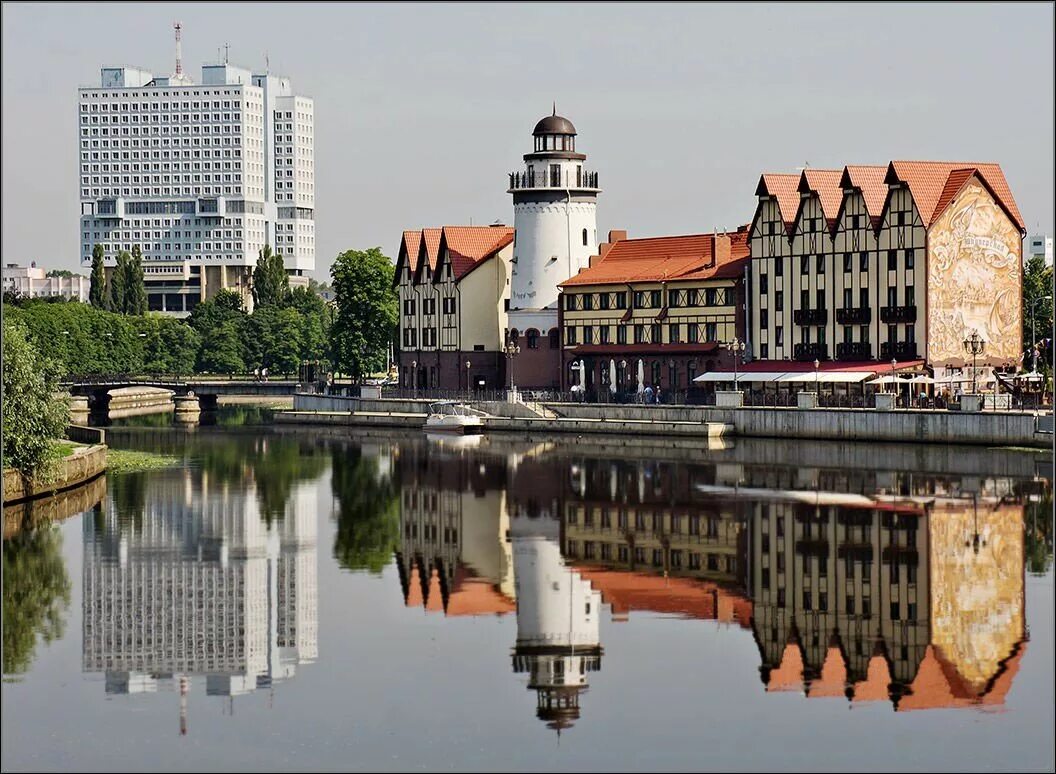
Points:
(314, 325)
(170, 346)
(368, 515)
(135, 287)
(97, 291)
(32, 418)
(1037, 284)
(117, 287)
(366, 311)
(36, 594)
(221, 350)
(64, 273)
(273, 339)
(271, 285)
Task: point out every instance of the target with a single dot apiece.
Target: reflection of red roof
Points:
(668, 259)
(833, 679)
(467, 247)
(414, 588)
(939, 684)
(789, 674)
(928, 182)
(877, 679)
(479, 597)
(688, 597)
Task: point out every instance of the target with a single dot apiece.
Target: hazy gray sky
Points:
(422, 110)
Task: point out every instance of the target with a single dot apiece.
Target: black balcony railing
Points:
(566, 179)
(897, 314)
(906, 350)
(810, 316)
(855, 350)
(810, 352)
(861, 315)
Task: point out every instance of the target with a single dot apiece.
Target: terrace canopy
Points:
(784, 377)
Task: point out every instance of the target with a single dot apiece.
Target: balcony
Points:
(857, 350)
(810, 352)
(862, 315)
(567, 180)
(897, 314)
(900, 350)
(810, 316)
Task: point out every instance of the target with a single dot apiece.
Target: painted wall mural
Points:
(975, 280)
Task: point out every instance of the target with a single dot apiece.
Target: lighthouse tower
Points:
(555, 203)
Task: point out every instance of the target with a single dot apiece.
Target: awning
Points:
(786, 377)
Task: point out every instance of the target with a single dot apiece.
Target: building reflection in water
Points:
(864, 585)
(195, 583)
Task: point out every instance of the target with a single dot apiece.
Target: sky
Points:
(422, 110)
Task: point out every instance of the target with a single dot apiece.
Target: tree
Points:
(221, 351)
(97, 291)
(1037, 284)
(313, 323)
(116, 288)
(135, 287)
(271, 285)
(32, 418)
(367, 310)
(273, 339)
(64, 273)
(368, 512)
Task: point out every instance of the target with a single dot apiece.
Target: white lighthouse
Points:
(555, 202)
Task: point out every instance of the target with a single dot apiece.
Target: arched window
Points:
(514, 336)
(532, 337)
(555, 338)
(656, 372)
(584, 237)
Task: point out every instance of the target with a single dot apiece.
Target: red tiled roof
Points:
(954, 183)
(430, 245)
(786, 189)
(412, 241)
(469, 246)
(656, 259)
(826, 184)
(870, 181)
(927, 180)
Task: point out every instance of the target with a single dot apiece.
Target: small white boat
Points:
(451, 417)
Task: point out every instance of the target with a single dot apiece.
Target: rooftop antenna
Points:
(227, 48)
(555, 107)
(267, 64)
(178, 27)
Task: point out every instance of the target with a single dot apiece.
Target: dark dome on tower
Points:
(554, 124)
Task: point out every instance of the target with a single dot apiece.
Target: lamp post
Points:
(817, 364)
(736, 347)
(894, 374)
(974, 345)
(511, 351)
(623, 373)
(467, 378)
(1033, 340)
(414, 379)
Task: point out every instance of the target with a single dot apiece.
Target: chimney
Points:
(720, 249)
(604, 247)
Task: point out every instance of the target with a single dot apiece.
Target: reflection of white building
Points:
(200, 585)
(558, 640)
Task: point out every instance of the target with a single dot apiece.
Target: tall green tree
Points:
(271, 284)
(314, 323)
(367, 310)
(273, 339)
(97, 291)
(1037, 313)
(135, 286)
(32, 418)
(222, 349)
(117, 287)
(368, 512)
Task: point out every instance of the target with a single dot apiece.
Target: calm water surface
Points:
(289, 600)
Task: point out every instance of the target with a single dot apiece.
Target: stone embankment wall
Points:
(84, 464)
(133, 401)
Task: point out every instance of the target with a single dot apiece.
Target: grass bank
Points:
(125, 461)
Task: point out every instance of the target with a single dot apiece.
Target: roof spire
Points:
(555, 107)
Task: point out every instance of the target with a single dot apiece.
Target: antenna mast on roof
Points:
(227, 47)
(178, 27)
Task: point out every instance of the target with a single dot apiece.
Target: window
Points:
(762, 284)
(892, 260)
(570, 334)
(819, 297)
(863, 334)
(779, 301)
(804, 299)
(532, 335)
(711, 332)
(710, 297)
(554, 338)
(621, 334)
(892, 296)
(692, 333)
(449, 305)
(639, 300)
(408, 306)
(764, 351)
(674, 333)
(570, 302)
(588, 301)
(764, 318)
(656, 333)
(655, 299)
(848, 298)
(639, 334)
(588, 334)
(848, 334)
(779, 266)
(863, 298)
(691, 296)
(804, 264)
(603, 334)
(820, 264)
(584, 237)
(603, 301)
(863, 261)
(911, 336)
(846, 262)
(621, 300)
(909, 259)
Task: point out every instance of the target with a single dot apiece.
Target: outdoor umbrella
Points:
(641, 377)
(922, 379)
(612, 376)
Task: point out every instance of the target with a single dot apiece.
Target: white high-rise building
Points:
(1040, 246)
(200, 176)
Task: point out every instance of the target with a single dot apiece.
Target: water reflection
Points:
(858, 584)
(190, 577)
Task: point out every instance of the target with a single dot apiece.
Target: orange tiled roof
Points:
(826, 184)
(412, 241)
(786, 189)
(656, 259)
(928, 181)
(429, 249)
(870, 181)
(469, 246)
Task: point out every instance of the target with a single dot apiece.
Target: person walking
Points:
(648, 394)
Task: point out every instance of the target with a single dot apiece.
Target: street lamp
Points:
(894, 374)
(414, 379)
(1033, 341)
(511, 351)
(737, 347)
(817, 364)
(975, 346)
(467, 378)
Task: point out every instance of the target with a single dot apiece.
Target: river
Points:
(285, 599)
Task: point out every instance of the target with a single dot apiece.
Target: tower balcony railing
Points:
(566, 180)
(847, 315)
(897, 314)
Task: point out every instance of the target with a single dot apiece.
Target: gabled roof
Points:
(826, 184)
(467, 247)
(928, 181)
(785, 188)
(408, 254)
(659, 259)
(428, 250)
(870, 181)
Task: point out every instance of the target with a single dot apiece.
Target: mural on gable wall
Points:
(975, 280)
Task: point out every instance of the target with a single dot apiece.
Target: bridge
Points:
(97, 388)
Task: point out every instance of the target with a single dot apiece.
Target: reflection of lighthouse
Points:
(557, 621)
